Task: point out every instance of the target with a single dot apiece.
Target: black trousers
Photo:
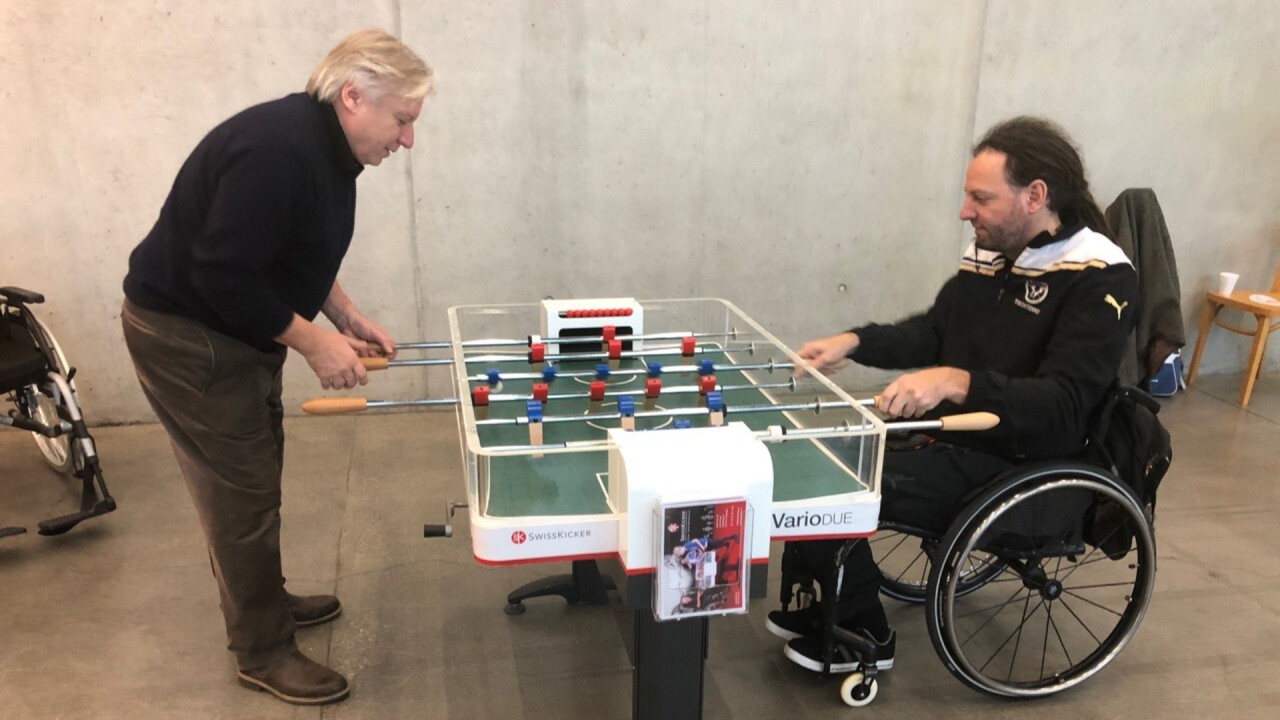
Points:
(923, 488)
(219, 401)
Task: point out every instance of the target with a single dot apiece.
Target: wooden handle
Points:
(970, 421)
(375, 363)
(335, 406)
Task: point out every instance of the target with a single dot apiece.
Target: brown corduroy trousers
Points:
(219, 400)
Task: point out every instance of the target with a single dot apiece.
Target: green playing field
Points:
(570, 483)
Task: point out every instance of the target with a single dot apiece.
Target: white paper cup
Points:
(1227, 282)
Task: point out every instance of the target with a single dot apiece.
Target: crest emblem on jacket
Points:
(1037, 291)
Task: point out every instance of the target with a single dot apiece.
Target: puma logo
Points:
(1117, 305)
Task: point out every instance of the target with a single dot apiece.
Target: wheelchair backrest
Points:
(22, 360)
(1128, 439)
(12, 329)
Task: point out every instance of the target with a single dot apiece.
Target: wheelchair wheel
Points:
(857, 691)
(1061, 609)
(903, 556)
(43, 408)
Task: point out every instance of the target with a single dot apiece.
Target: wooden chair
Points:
(1265, 315)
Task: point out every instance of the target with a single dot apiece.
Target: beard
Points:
(1008, 238)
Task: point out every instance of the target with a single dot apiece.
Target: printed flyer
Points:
(703, 570)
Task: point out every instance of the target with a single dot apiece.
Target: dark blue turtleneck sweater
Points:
(256, 224)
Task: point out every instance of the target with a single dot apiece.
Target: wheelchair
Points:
(1037, 584)
(37, 381)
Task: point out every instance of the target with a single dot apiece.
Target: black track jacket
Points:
(1042, 338)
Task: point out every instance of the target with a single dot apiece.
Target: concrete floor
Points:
(119, 618)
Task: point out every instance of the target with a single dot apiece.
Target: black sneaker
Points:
(807, 653)
(791, 624)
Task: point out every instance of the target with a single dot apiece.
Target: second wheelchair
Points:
(39, 385)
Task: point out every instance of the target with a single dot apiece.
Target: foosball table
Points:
(670, 441)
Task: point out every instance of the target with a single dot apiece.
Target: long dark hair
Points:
(1036, 148)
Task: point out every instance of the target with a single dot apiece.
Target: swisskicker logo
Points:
(520, 537)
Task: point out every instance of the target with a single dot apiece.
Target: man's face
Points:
(377, 126)
(996, 210)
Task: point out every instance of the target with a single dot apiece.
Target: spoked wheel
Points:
(43, 408)
(1060, 610)
(903, 557)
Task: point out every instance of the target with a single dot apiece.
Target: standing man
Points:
(243, 257)
(1032, 329)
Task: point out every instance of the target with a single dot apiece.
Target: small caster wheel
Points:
(514, 609)
(855, 691)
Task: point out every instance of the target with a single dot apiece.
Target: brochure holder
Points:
(704, 552)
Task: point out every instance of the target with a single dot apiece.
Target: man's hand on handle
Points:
(351, 322)
(333, 357)
(915, 394)
(377, 342)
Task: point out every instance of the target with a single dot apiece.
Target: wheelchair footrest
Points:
(11, 531)
(59, 525)
(868, 653)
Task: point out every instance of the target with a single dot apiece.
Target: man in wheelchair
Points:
(1031, 328)
(37, 381)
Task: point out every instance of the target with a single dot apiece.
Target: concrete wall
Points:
(764, 152)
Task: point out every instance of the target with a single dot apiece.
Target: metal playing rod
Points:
(671, 370)
(509, 342)
(674, 390)
(962, 422)
(381, 363)
(953, 423)
(648, 352)
(341, 405)
(817, 406)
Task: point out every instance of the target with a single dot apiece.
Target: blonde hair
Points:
(377, 62)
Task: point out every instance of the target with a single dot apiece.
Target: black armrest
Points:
(18, 295)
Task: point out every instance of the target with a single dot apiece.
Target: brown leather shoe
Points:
(298, 680)
(308, 610)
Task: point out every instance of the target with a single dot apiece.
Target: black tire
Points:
(47, 407)
(1099, 601)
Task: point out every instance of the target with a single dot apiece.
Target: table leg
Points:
(668, 658)
(669, 661)
(583, 586)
